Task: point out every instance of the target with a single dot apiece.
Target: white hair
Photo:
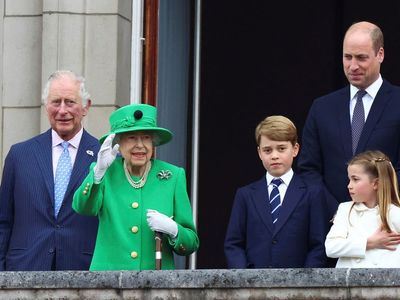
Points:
(66, 73)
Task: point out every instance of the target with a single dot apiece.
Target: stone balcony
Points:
(204, 284)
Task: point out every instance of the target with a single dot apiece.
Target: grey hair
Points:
(83, 93)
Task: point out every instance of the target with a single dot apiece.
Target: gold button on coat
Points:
(135, 205)
(134, 254)
(135, 229)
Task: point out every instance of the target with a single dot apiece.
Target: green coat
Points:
(124, 240)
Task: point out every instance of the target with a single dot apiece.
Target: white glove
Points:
(160, 222)
(105, 157)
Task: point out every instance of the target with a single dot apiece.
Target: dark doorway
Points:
(261, 58)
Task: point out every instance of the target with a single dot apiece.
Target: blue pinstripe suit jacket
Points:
(30, 235)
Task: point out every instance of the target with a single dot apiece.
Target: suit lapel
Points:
(293, 195)
(381, 100)
(261, 202)
(85, 156)
(43, 152)
(343, 117)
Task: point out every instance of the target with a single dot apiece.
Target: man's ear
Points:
(86, 107)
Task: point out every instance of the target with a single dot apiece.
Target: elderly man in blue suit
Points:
(39, 231)
(333, 132)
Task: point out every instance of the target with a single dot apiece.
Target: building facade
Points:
(89, 37)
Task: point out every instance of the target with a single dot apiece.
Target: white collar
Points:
(286, 178)
(74, 142)
(362, 207)
(372, 90)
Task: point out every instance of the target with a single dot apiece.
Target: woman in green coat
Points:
(135, 196)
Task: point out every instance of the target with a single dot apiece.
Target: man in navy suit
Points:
(33, 236)
(277, 221)
(327, 136)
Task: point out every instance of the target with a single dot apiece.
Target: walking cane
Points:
(158, 238)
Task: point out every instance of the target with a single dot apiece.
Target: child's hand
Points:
(383, 240)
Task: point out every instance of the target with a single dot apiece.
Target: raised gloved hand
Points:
(162, 223)
(105, 157)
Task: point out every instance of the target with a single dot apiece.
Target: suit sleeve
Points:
(6, 206)
(88, 198)
(235, 239)
(340, 242)
(318, 228)
(310, 158)
(187, 241)
(310, 163)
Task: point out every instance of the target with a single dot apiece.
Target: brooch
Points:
(164, 174)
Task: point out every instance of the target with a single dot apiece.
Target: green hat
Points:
(138, 117)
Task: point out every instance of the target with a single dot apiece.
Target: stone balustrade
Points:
(204, 284)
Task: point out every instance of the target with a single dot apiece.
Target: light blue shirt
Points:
(57, 149)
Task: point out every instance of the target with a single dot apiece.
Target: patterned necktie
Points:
(358, 120)
(275, 199)
(63, 173)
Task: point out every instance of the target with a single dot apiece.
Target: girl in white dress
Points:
(365, 231)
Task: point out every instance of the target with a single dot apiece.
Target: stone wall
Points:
(89, 37)
(204, 284)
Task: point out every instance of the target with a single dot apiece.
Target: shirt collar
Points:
(286, 178)
(363, 207)
(372, 90)
(74, 142)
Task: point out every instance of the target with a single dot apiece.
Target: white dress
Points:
(347, 238)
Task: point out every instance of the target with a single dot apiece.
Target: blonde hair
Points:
(276, 128)
(377, 165)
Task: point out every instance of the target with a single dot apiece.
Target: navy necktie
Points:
(63, 173)
(358, 120)
(275, 199)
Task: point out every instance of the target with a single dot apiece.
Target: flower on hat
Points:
(164, 174)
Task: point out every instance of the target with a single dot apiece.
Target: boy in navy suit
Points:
(277, 221)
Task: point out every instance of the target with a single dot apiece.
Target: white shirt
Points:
(368, 98)
(347, 238)
(57, 149)
(286, 178)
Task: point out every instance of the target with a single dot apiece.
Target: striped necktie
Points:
(275, 199)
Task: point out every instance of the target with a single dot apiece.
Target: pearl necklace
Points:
(140, 183)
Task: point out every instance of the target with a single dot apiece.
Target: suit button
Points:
(134, 254)
(274, 242)
(135, 229)
(135, 205)
(51, 250)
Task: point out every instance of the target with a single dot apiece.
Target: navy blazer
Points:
(326, 143)
(295, 241)
(30, 235)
